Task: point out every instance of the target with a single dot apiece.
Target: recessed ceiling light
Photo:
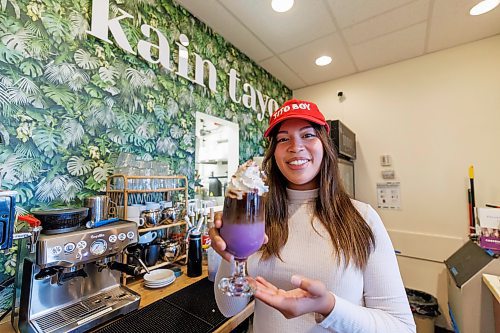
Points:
(484, 7)
(323, 60)
(281, 6)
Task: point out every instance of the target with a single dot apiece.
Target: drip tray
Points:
(190, 310)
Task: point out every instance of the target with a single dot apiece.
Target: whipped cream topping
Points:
(248, 178)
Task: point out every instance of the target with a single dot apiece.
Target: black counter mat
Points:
(189, 310)
(199, 300)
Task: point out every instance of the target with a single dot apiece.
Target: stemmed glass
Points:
(243, 230)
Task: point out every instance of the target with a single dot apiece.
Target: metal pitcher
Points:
(100, 208)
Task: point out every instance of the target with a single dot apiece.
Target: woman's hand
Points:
(309, 296)
(218, 244)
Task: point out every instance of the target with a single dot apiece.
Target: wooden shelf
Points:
(146, 177)
(165, 263)
(121, 198)
(158, 190)
(162, 264)
(163, 226)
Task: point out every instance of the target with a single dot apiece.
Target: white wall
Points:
(435, 115)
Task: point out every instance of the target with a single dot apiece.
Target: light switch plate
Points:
(385, 160)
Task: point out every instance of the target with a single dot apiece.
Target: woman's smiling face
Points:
(298, 154)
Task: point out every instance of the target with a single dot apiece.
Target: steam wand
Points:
(139, 260)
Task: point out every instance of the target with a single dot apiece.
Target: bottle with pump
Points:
(195, 256)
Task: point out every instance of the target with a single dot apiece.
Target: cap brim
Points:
(305, 117)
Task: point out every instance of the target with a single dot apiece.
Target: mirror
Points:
(216, 157)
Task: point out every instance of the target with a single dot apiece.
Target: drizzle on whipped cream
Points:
(248, 178)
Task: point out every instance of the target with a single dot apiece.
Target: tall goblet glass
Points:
(243, 230)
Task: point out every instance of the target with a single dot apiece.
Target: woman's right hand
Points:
(218, 244)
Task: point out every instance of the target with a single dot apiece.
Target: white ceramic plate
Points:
(159, 275)
(158, 285)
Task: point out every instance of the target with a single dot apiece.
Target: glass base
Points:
(236, 287)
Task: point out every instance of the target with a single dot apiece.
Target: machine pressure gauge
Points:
(98, 247)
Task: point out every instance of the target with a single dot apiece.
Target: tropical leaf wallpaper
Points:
(70, 103)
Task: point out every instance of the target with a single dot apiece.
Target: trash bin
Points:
(425, 309)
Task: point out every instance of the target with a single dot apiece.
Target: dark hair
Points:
(351, 236)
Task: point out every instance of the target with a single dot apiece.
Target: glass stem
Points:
(240, 266)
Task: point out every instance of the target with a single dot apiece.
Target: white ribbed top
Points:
(372, 301)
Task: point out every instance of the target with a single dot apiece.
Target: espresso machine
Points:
(72, 281)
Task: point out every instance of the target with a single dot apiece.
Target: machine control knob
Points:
(130, 235)
(56, 250)
(98, 247)
(122, 236)
(81, 245)
(69, 247)
(112, 238)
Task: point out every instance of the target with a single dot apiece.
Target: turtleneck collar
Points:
(295, 196)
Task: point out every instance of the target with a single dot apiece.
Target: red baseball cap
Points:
(295, 108)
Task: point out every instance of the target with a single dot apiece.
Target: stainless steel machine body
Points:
(70, 286)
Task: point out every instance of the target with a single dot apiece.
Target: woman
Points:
(328, 264)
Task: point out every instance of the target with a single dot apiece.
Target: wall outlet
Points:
(388, 174)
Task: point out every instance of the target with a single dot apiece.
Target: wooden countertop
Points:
(493, 283)
(149, 296)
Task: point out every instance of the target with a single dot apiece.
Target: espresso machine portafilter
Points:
(72, 284)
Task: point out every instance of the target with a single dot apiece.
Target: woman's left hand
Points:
(309, 296)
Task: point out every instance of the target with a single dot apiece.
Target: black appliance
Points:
(61, 220)
(215, 186)
(344, 141)
(466, 262)
(7, 218)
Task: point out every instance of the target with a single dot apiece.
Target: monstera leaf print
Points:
(145, 130)
(85, 60)
(117, 136)
(139, 79)
(172, 108)
(79, 25)
(166, 145)
(176, 132)
(56, 26)
(109, 74)
(102, 172)
(105, 115)
(18, 41)
(79, 166)
(31, 68)
(47, 140)
(59, 95)
(13, 3)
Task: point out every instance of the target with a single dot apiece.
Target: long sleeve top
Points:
(371, 300)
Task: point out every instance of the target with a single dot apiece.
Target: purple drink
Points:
(242, 240)
(243, 225)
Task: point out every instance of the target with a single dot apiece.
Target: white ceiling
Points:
(358, 34)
